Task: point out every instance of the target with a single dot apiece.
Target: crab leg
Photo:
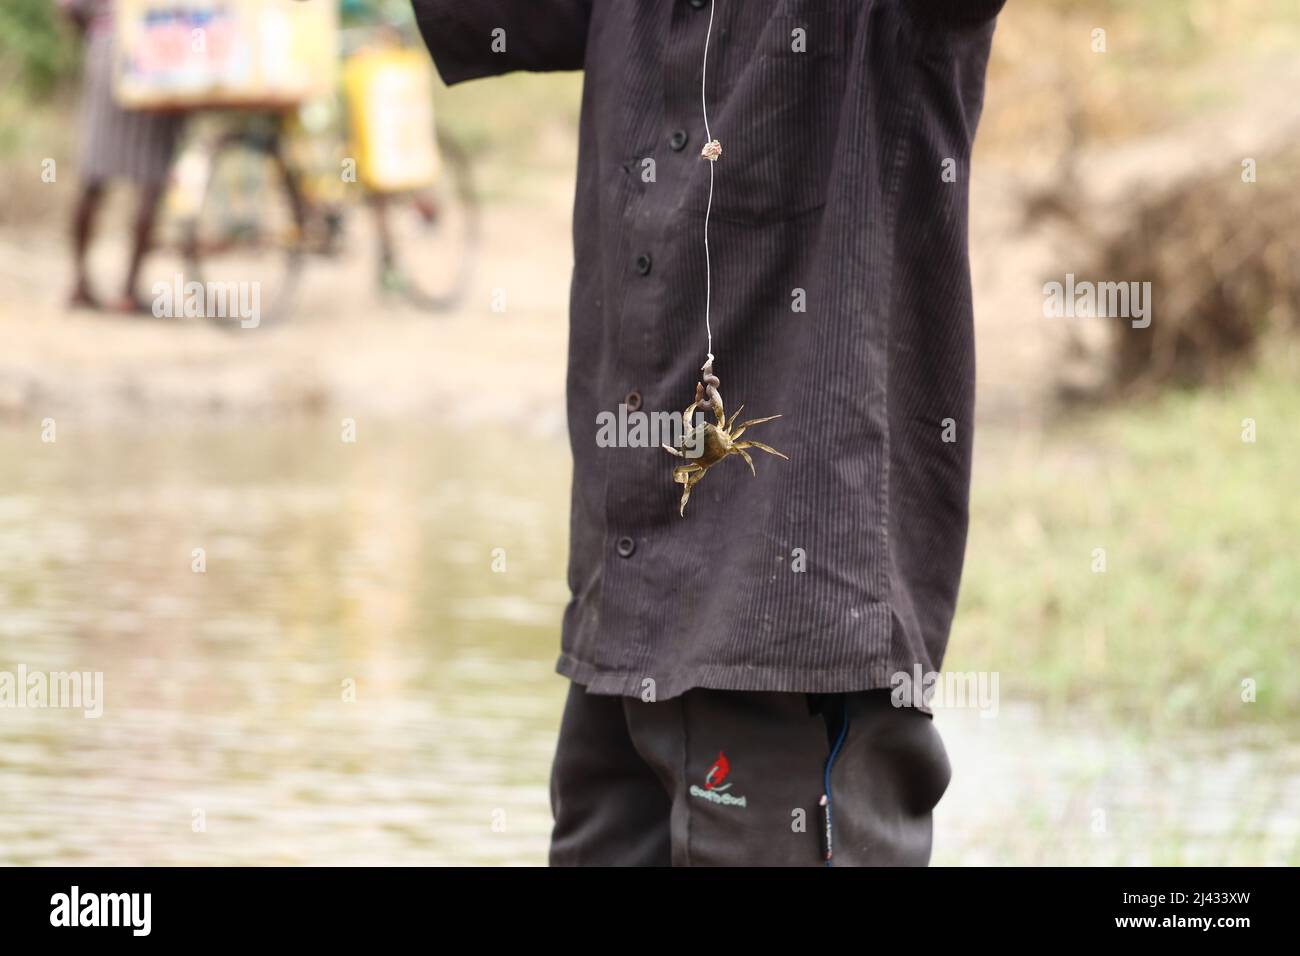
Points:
(686, 431)
(719, 412)
(745, 455)
(688, 480)
(757, 421)
(758, 444)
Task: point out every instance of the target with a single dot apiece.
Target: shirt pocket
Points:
(779, 124)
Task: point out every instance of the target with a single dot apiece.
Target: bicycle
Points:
(265, 191)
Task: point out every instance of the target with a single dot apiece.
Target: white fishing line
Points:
(708, 138)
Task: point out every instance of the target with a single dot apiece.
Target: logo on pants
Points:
(718, 773)
(714, 790)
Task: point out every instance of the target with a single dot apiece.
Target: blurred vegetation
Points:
(1224, 255)
(1164, 61)
(1202, 575)
(39, 57)
(38, 49)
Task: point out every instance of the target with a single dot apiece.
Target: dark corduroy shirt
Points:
(842, 189)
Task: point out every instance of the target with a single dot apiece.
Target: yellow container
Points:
(390, 117)
(187, 54)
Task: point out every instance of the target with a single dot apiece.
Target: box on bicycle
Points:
(390, 118)
(188, 54)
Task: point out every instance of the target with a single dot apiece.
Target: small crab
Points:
(718, 441)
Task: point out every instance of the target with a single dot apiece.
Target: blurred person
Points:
(116, 143)
(748, 685)
(380, 21)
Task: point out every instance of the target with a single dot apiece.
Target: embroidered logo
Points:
(718, 773)
(714, 790)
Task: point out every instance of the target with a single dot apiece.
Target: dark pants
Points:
(734, 778)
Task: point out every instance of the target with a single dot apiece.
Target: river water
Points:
(357, 667)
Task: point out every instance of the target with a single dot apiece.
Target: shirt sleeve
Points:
(475, 38)
(956, 12)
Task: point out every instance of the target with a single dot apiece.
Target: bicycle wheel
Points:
(429, 238)
(245, 244)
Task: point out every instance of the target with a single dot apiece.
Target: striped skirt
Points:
(118, 143)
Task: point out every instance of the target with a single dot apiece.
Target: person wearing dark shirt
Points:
(743, 678)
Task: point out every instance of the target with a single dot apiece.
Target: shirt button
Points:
(633, 400)
(626, 547)
(698, 4)
(643, 264)
(678, 140)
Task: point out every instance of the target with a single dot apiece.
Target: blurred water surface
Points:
(326, 562)
(372, 562)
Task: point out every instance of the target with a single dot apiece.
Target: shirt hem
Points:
(783, 679)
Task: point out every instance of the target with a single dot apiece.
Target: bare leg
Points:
(83, 229)
(141, 236)
(387, 254)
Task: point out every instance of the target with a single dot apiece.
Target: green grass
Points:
(38, 47)
(1202, 583)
